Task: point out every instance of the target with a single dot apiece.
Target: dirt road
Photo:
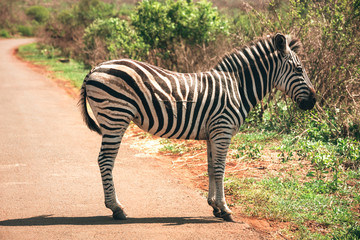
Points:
(50, 186)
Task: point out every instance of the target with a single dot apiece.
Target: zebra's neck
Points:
(254, 68)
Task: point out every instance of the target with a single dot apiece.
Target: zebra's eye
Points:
(298, 69)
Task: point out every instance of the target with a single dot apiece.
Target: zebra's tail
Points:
(84, 112)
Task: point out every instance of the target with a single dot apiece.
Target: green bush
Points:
(4, 33)
(86, 11)
(153, 24)
(330, 34)
(39, 13)
(65, 30)
(81, 15)
(161, 23)
(164, 25)
(66, 18)
(25, 31)
(119, 39)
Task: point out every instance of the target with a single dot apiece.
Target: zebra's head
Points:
(292, 78)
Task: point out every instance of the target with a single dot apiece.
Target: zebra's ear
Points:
(281, 43)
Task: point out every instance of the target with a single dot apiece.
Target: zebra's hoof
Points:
(217, 213)
(227, 217)
(119, 215)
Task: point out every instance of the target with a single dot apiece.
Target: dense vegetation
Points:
(191, 36)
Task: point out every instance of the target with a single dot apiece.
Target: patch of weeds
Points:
(145, 135)
(329, 160)
(286, 153)
(248, 145)
(248, 151)
(349, 152)
(254, 136)
(353, 174)
(172, 147)
(181, 146)
(313, 208)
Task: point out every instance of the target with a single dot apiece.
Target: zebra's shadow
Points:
(49, 220)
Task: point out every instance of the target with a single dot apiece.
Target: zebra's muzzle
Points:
(309, 103)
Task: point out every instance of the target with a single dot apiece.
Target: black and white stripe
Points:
(208, 105)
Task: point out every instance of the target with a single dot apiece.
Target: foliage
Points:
(306, 205)
(7, 13)
(173, 148)
(248, 151)
(39, 13)
(65, 29)
(162, 25)
(329, 160)
(4, 33)
(336, 56)
(324, 28)
(89, 10)
(119, 38)
(26, 31)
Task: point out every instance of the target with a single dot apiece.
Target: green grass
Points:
(170, 146)
(248, 145)
(173, 148)
(323, 203)
(73, 71)
(331, 215)
(267, 137)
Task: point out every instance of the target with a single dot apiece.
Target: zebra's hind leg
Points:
(109, 148)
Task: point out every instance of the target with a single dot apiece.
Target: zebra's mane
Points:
(294, 45)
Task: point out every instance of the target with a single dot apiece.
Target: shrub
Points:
(118, 38)
(153, 24)
(332, 56)
(161, 23)
(4, 33)
(65, 30)
(166, 25)
(329, 32)
(86, 11)
(39, 13)
(26, 31)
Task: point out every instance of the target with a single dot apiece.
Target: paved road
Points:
(50, 186)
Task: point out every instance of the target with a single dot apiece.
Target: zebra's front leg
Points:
(109, 149)
(219, 149)
(212, 185)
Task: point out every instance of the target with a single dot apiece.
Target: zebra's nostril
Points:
(307, 104)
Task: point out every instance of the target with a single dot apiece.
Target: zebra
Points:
(207, 106)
